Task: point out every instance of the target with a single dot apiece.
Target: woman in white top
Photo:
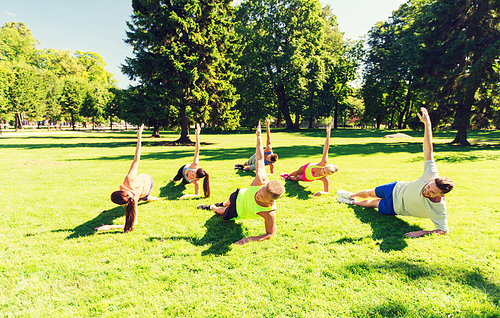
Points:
(192, 173)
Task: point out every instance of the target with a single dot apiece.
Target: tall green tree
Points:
(458, 44)
(283, 47)
(25, 93)
(182, 50)
(74, 92)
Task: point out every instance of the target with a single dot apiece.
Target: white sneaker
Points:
(344, 194)
(344, 200)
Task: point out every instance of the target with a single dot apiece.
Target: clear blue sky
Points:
(99, 25)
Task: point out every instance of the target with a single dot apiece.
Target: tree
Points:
(183, 51)
(458, 46)
(25, 93)
(72, 97)
(283, 50)
(17, 44)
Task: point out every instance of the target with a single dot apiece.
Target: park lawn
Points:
(327, 260)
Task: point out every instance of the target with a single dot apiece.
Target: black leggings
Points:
(180, 176)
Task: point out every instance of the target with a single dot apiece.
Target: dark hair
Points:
(273, 157)
(444, 184)
(121, 198)
(201, 173)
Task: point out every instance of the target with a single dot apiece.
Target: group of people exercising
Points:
(424, 197)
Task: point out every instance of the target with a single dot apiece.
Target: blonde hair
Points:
(330, 169)
(275, 189)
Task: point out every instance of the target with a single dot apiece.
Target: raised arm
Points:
(132, 173)
(260, 169)
(269, 148)
(324, 160)
(425, 118)
(196, 159)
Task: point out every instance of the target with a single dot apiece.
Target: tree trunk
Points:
(462, 117)
(73, 121)
(402, 115)
(156, 131)
(184, 138)
(283, 105)
(93, 123)
(335, 114)
(19, 122)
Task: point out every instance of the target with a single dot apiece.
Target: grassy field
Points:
(328, 259)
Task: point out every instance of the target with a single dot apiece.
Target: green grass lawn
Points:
(327, 260)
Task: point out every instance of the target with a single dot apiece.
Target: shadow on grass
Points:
(295, 189)
(463, 276)
(387, 230)
(105, 217)
(219, 237)
(172, 190)
(460, 153)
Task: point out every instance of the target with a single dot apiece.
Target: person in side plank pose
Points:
(422, 198)
(258, 200)
(133, 189)
(270, 158)
(319, 171)
(192, 173)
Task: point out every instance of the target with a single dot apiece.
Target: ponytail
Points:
(130, 215)
(201, 173)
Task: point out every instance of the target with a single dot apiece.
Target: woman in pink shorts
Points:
(320, 171)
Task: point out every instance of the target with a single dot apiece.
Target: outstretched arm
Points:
(269, 148)
(326, 187)
(260, 169)
(324, 160)
(422, 233)
(425, 118)
(270, 224)
(196, 159)
(132, 173)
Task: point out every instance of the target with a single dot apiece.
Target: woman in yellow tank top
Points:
(133, 189)
(320, 171)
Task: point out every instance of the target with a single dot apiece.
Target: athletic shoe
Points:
(219, 204)
(285, 176)
(203, 207)
(239, 167)
(344, 194)
(345, 200)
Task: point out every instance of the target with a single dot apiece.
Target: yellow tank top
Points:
(246, 207)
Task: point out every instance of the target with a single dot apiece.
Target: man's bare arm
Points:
(428, 149)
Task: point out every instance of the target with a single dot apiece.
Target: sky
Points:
(99, 26)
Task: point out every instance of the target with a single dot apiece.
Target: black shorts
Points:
(230, 211)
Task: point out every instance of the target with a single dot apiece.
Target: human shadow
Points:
(219, 237)
(295, 189)
(388, 231)
(105, 217)
(172, 190)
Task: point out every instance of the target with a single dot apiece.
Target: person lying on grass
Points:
(423, 198)
(319, 171)
(133, 189)
(192, 173)
(258, 200)
(269, 157)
